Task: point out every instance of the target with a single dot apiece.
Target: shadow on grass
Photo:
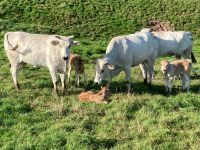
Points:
(140, 88)
(196, 77)
(100, 143)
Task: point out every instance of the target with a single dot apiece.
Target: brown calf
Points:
(77, 62)
(99, 97)
(174, 69)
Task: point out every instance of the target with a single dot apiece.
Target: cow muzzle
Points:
(65, 58)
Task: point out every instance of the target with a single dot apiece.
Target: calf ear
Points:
(55, 42)
(76, 42)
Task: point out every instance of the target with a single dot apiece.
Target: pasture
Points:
(34, 118)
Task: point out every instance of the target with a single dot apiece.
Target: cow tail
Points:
(10, 45)
(193, 58)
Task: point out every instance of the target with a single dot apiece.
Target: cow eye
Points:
(102, 71)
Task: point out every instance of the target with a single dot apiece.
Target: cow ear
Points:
(110, 66)
(76, 42)
(55, 42)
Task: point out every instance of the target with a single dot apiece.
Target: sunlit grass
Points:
(34, 118)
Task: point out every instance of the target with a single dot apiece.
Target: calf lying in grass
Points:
(77, 62)
(178, 68)
(99, 97)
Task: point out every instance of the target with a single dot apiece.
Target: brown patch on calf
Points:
(77, 62)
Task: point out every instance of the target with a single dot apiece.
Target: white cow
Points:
(172, 43)
(51, 51)
(124, 52)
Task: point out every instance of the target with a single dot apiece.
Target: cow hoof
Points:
(149, 85)
(64, 91)
(130, 94)
(55, 92)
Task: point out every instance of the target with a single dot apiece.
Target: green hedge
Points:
(96, 19)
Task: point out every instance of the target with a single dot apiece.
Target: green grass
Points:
(96, 19)
(34, 118)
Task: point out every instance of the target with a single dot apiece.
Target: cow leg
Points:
(143, 68)
(54, 77)
(150, 64)
(15, 71)
(62, 78)
(128, 78)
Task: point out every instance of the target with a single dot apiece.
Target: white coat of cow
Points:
(124, 52)
(51, 51)
(177, 43)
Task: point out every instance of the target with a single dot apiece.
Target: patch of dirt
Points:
(158, 25)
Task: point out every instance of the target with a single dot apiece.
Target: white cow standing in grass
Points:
(171, 43)
(123, 52)
(51, 51)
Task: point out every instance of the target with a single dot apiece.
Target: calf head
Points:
(64, 44)
(165, 66)
(103, 71)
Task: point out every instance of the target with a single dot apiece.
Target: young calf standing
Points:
(77, 62)
(174, 69)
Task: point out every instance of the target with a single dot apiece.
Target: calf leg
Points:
(69, 72)
(183, 82)
(77, 79)
(170, 85)
(166, 83)
(128, 78)
(186, 82)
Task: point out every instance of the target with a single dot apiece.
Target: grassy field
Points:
(34, 118)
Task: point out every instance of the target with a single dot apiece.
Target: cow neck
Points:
(110, 58)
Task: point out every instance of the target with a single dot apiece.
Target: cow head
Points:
(64, 44)
(103, 71)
